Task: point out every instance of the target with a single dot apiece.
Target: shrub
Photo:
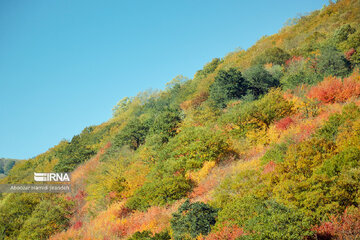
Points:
(77, 151)
(191, 148)
(332, 89)
(265, 219)
(342, 33)
(272, 220)
(284, 123)
(193, 219)
(276, 153)
(160, 192)
(226, 233)
(147, 235)
(348, 158)
(346, 226)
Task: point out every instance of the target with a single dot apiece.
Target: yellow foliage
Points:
(257, 136)
(246, 165)
(202, 173)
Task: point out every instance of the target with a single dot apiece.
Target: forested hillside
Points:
(260, 144)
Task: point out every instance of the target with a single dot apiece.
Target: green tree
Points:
(133, 134)
(259, 80)
(332, 62)
(299, 72)
(122, 106)
(228, 85)
(273, 55)
(14, 211)
(193, 219)
(77, 151)
(47, 218)
(342, 33)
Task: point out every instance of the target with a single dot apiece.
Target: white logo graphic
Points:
(51, 177)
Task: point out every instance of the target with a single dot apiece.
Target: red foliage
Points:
(77, 225)
(269, 167)
(226, 233)
(344, 227)
(332, 89)
(284, 123)
(306, 131)
(349, 53)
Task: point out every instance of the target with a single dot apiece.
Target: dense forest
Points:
(259, 144)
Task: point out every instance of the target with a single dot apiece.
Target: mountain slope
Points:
(264, 143)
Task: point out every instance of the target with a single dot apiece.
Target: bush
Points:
(160, 192)
(191, 148)
(193, 219)
(332, 89)
(268, 109)
(276, 153)
(265, 219)
(346, 226)
(165, 124)
(272, 220)
(348, 158)
(147, 235)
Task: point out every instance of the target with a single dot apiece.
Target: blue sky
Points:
(64, 64)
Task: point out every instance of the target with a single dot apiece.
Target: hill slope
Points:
(261, 144)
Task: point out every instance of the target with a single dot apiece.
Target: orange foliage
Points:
(284, 123)
(226, 233)
(78, 176)
(344, 227)
(333, 90)
(195, 102)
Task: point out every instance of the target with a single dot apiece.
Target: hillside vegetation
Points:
(5, 165)
(260, 144)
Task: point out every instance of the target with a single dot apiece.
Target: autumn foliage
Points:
(346, 226)
(333, 89)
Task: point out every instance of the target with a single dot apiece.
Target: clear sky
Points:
(65, 63)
